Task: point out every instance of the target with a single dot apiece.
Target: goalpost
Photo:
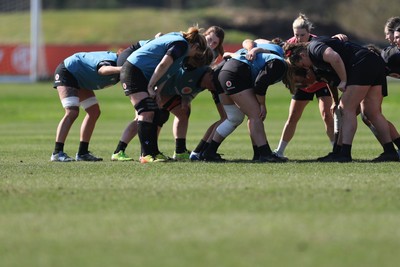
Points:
(21, 50)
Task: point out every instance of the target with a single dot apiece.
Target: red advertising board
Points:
(15, 59)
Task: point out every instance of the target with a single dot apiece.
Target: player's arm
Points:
(109, 70)
(160, 70)
(108, 67)
(175, 51)
(333, 58)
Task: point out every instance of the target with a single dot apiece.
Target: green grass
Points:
(238, 213)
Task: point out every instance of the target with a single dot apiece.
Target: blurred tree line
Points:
(346, 13)
(362, 19)
(320, 6)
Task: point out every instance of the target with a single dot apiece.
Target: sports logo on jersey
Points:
(186, 90)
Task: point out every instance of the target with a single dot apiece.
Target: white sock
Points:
(281, 148)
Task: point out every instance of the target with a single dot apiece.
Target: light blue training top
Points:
(84, 67)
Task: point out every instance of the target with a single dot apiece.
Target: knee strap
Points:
(146, 104)
(87, 103)
(71, 101)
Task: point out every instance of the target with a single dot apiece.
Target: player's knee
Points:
(161, 116)
(225, 128)
(94, 112)
(234, 115)
(294, 117)
(181, 113)
(327, 117)
(234, 118)
(72, 113)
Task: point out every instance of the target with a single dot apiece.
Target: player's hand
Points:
(263, 112)
(251, 55)
(151, 91)
(342, 37)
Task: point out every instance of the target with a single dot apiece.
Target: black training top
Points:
(348, 51)
(391, 56)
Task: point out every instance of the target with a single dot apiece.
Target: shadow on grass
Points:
(300, 161)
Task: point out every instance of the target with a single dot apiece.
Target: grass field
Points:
(239, 213)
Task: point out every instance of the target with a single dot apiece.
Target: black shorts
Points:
(235, 76)
(306, 96)
(62, 77)
(385, 89)
(126, 53)
(133, 79)
(367, 68)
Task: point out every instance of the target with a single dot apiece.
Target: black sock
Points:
(83, 148)
(147, 133)
(336, 148)
(58, 147)
(346, 150)
(212, 148)
(205, 146)
(397, 142)
(180, 145)
(389, 148)
(120, 147)
(200, 146)
(264, 150)
(256, 153)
